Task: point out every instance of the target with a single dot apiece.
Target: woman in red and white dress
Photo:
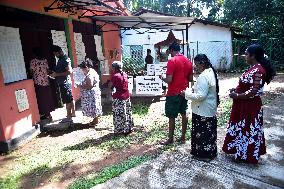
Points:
(39, 70)
(245, 137)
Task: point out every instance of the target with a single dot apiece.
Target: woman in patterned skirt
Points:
(245, 137)
(90, 92)
(204, 101)
(121, 105)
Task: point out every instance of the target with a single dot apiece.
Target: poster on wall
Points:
(80, 47)
(22, 100)
(99, 49)
(59, 39)
(11, 55)
(151, 85)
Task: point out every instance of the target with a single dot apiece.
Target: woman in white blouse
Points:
(204, 101)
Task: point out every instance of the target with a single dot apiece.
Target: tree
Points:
(256, 18)
(191, 8)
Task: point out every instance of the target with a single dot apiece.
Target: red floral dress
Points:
(245, 136)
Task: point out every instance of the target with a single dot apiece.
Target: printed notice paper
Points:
(148, 85)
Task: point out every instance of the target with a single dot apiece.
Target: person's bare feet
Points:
(94, 122)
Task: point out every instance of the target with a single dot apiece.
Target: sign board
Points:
(148, 85)
(150, 69)
(156, 69)
(22, 100)
(130, 84)
(160, 69)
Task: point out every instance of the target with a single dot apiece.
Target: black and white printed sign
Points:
(22, 100)
(150, 69)
(160, 69)
(130, 84)
(148, 85)
(156, 69)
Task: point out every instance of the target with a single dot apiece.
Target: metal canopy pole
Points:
(182, 42)
(186, 35)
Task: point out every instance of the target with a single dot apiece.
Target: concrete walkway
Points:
(179, 170)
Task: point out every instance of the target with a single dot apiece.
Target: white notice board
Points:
(22, 100)
(150, 69)
(11, 55)
(148, 85)
(160, 69)
(130, 84)
(80, 48)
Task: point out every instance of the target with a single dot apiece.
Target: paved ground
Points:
(179, 170)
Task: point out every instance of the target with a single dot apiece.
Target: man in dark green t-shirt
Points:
(62, 73)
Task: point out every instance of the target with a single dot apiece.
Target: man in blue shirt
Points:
(62, 73)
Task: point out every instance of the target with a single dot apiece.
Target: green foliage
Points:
(108, 173)
(256, 17)
(132, 66)
(224, 111)
(140, 109)
(191, 8)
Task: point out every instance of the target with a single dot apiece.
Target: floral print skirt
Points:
(122, 116)
(91, 103)
(245, 136)
(204, 136)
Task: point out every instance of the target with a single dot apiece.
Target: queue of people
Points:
(245, 136)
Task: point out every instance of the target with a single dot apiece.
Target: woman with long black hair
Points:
(204, 101)
(245, 137)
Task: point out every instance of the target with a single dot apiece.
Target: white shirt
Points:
(203, 95)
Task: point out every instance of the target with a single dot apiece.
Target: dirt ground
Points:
(63, 176)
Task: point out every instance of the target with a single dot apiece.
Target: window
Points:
(136, 51)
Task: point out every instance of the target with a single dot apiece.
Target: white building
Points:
(211, 38)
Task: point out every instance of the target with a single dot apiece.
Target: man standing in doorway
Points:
(62, 73)
(149, 58)
(178, 75)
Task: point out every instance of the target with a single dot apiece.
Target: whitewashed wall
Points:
(204, 34)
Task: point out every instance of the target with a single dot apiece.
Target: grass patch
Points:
(115, 143)
(224, 111)
(108, 173)
(140, 109)
(12, 181)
